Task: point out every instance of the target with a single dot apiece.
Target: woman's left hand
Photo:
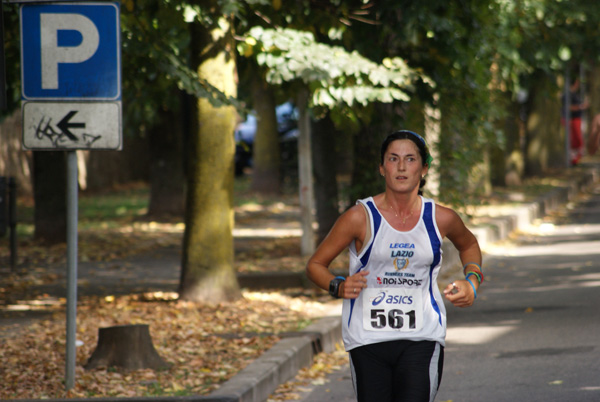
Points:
(460, 293)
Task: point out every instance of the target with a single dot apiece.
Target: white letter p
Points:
(53, 55)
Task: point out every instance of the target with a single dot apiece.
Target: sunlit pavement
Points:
(533, 333)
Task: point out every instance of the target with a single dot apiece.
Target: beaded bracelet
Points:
(473, 286)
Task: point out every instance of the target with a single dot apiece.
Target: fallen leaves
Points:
(205, 345)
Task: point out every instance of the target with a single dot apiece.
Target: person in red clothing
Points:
(576, 109)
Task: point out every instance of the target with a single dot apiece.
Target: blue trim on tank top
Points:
(365, 258)
(436, 246)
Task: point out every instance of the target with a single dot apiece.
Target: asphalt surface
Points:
(534, 332)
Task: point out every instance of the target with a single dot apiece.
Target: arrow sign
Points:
(81, 125)
(64, 125)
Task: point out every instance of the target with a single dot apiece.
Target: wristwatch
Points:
(334, 286)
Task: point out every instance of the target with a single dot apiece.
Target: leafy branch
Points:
(335, 76)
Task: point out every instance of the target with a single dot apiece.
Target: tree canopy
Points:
(470, 60)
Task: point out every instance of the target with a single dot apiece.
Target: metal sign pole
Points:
(72, 213)
(76, 106)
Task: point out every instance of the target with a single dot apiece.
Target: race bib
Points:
(392, 309)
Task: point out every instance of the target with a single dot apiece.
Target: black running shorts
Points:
(397, 371)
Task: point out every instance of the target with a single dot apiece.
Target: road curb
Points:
(280, 363)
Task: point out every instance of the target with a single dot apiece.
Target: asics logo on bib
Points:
(391, 299)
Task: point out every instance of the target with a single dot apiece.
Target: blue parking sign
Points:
(70, 51)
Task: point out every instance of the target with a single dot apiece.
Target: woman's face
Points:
(402, 166)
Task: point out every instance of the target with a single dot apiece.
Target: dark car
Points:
(287, 126)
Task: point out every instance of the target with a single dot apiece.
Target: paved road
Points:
(534, 334)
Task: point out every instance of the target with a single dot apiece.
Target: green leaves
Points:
(336, 76)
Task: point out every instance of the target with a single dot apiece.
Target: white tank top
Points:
(402, 299)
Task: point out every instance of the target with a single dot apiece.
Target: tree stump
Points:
(126, 346)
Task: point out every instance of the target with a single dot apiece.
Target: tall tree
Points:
(207, 272)
(313, 16)
(545, 149)
(266, 151)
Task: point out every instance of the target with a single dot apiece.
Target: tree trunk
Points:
(325, 172)
(207, 271)
(305, 176)
(166, 178)
(545, 139)
(507, 163)
(126, 346)
(50, 196)
(593, 90)
(14, 162)
(266, 152)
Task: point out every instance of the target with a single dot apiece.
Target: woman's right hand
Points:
(353, 285)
